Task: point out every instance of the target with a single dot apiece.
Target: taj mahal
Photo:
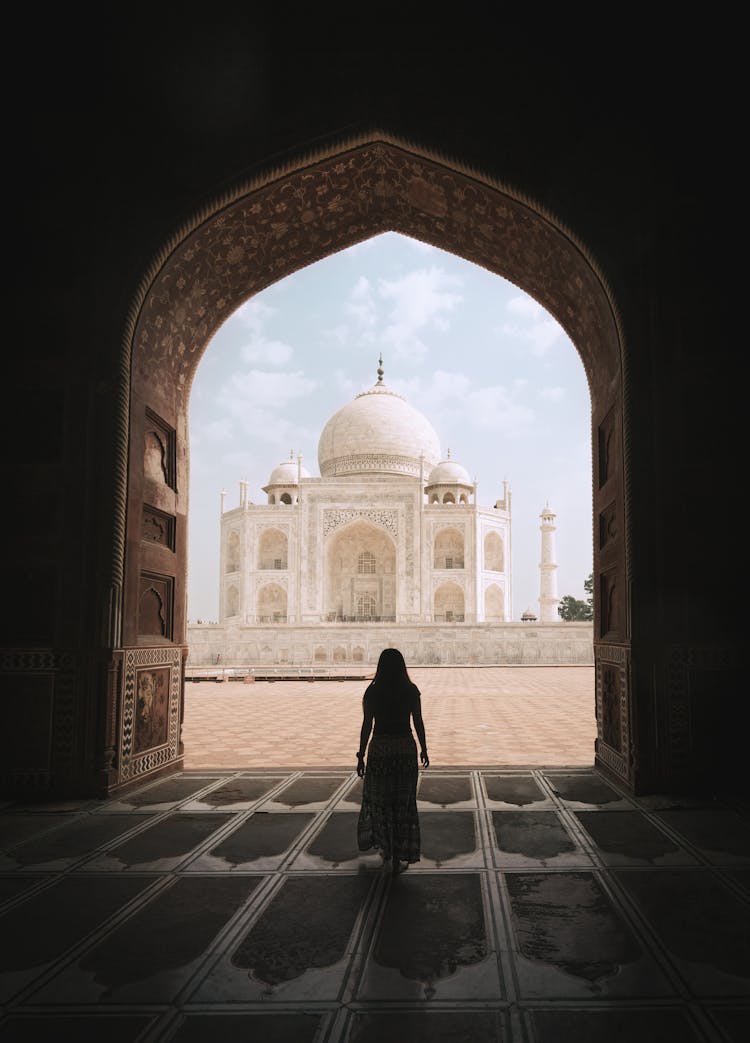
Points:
(389, 546)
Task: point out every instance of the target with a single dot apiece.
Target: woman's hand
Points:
(360, 765)
(424, 759)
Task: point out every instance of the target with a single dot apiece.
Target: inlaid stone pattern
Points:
(237, 905)
(150, 687)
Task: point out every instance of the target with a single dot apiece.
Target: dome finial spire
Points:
(380, 368)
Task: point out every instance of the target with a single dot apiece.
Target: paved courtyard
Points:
(474, 716)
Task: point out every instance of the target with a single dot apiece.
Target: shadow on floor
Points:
(548, 907)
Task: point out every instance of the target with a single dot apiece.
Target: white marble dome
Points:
(286, 474)
(449, 472)
(378, 432)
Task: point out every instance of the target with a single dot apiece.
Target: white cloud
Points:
(256, 387)
(361, 304)
(452, 397)
(340, 334)
(552, 394)
(254, 314)
(221, 430)
(534, 326)
(497, 409)
(261, 404)
(421, 299)
(273, 352)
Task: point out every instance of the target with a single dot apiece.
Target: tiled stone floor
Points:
(548, 907)
(473, 715)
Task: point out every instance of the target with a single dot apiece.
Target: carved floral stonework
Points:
(272, 230)
(334, 519)
(379, 463)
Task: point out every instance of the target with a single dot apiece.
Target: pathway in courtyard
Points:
(476, 716)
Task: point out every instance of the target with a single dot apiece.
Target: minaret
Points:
(548, 599)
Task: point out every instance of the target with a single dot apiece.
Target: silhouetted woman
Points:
(388, 818)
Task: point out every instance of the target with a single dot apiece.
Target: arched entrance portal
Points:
(256, 235)
(360, 574)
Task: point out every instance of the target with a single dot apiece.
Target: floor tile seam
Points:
(723, 872)
(482, 825)
(362, 939)
(51, 828)
(220, 943)
(701, 1019)
(580, 836)
(565, 803)
(608, 1003)
(504, 938)
(176, 805)
(163, 1027)
(150, 819)
(39, 888)
(504, 911)
(674, 834)
(234, 821)
(644, 932)
(65, 959)
(305, 838)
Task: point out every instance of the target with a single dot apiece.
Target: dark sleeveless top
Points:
(392, 708)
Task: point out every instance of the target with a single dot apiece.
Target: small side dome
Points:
(529, 616)
(449, 472)
(285, 474)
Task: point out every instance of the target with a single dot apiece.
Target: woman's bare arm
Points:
(416, 715)
(364, 735)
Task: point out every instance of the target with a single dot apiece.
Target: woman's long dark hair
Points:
(392, 668)
(391, 673)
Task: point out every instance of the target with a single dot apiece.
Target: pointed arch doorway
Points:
(255, 235)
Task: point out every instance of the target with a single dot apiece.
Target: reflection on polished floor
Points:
(548, 907)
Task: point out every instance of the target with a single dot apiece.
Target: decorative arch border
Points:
(289, 216)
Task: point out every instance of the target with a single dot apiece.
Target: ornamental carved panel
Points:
(612, 708)
(159, 450)
(150, 714)
(609, 603)
(158, 527)
(155, 606)
(334, 519)
(607, 447)
(607, 526)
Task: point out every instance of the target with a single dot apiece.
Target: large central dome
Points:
(378, 432)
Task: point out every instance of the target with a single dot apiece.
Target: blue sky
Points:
(497, 377)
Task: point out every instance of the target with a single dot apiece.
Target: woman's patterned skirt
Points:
(388, 817)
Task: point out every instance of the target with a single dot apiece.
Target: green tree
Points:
(571, 610)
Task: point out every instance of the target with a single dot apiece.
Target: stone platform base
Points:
(350, 647)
